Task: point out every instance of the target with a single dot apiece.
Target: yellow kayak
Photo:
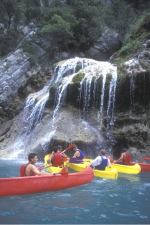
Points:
(128, 169)
(108, 173)
(135, 169)
(52, 169)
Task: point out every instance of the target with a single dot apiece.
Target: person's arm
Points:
(64, 155)
(96, 161)
(37, 172)
(121, 157)
(76, 154)
(108, 163)
(49, 160)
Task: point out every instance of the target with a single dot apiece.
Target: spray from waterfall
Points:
(93, 72)
(31, 119)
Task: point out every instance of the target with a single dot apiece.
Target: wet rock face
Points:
(105, 47)
(132, 101)
(18, 79)
(12, 76)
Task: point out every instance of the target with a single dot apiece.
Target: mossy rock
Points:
(78, 77)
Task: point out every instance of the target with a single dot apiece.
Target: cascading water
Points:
(60, 94)
(31, 119)
(63, 76)
(134, 63)
(111, 107)
(103, 69)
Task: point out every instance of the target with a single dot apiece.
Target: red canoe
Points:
(31, 185)
(144, 166)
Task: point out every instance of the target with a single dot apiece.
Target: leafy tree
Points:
(33, 10)
(89, 15)
(59, 32)
(9, 13)
(119, 16)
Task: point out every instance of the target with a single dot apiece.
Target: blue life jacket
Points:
(82, 154)
(103, 164)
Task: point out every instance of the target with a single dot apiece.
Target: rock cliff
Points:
(77, 122)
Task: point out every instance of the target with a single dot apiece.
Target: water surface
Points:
(103, 201)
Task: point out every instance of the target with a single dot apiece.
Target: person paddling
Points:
(78, 156)
(101, 161)
(57, 157)
(125, 158)
(29, 168)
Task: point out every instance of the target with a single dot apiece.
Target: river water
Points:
(103, 201)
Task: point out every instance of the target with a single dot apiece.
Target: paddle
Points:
(146, 158)
(76, 160)
(70, 146)
(63, 172)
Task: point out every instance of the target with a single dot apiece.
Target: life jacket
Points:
(103, 164)
(57, 160)
(82, 154)
(127, 158)
(22, 170)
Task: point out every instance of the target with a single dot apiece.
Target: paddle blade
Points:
(40, 167)
(75, 160)
(70, 146)
(146, 158)
(64, 171)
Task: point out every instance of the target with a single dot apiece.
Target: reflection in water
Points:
(131, 177)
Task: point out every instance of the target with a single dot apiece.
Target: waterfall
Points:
(85, 88)
(111, 107)
(60, 94)
(32, 115)
(111, 100)
(95, 76)
(130, 65)
(100, 112)
(103, 69)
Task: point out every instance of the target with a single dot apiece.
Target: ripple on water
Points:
(104, 201)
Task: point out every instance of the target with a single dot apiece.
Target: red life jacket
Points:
(22, 170)
(57, 160)
(127, 158)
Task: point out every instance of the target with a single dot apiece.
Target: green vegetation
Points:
(77, 78)
(138, 32)
(59, 32)
(30, 49)
(63, 25)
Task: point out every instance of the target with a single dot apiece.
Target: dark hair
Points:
(31, 156)
(59, 146)
(55, 149)
(124, 150)
(102, 151)
(75, 146)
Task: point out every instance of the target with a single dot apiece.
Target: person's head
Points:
(33, 158)
(74, 147)
(102, 152)
(55, 149)
(59, 147)
(124, 150)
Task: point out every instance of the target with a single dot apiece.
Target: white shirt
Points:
(98, 161)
